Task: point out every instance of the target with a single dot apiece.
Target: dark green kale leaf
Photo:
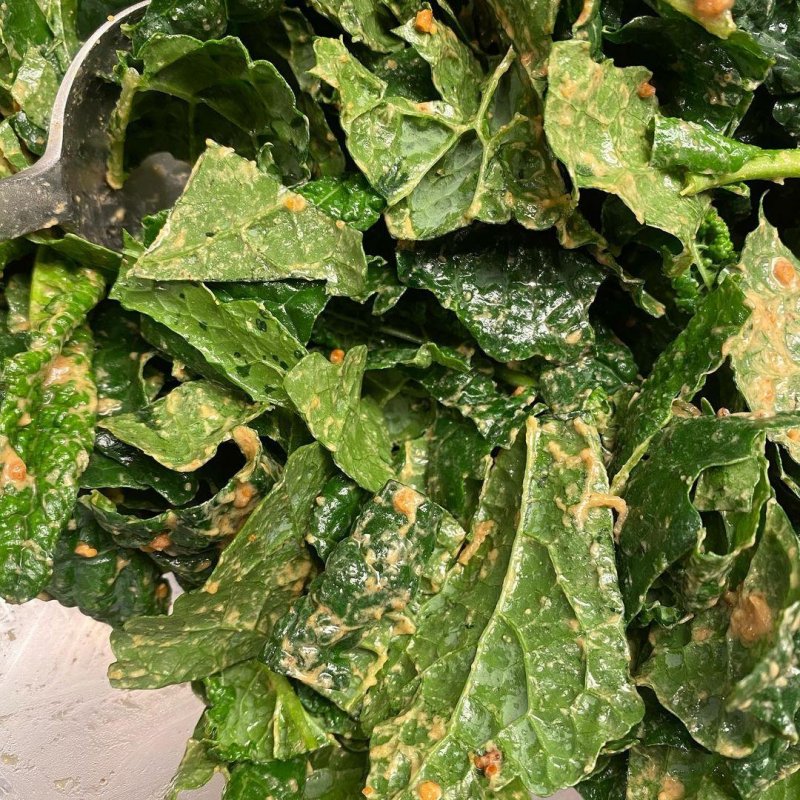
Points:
(335, 638)
(448, 462)
(221, 92)
(192, 529)
(338, 505)
(776, 28)
(518, 296)
(497, 415)
(116, 465)
(609, 366)
(119, 360)
(254, 715)
(202, 19)
(608, 782)
(699, 77)
(191, 570)
(332, 773)
(693, 773)
(102, 579)
(348, 198)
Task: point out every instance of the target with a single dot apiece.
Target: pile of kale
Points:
(458, 391)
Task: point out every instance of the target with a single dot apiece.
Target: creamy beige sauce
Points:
(429, 790)
(406, 501)
(14, 471)
(85, 550)
(671, 789)
(751, 618)
(479, 533)
(710, 9)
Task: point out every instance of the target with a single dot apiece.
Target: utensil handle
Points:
(32, 200)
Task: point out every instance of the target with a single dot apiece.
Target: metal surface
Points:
(67, 185)
(65, 734)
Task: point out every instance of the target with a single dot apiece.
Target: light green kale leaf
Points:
(599, 126)
(438, 168)
(533, 669)
(183, 429)
(529, 27)
(229, 618)
(708, 160)
(239, 339)
(678, 374)
(335, 638)
(35, 87)
(41, 463)
(732, 497)
(37, 42)
(420, 357)
(367, 21)
(765, 354)
(683, 145)
(266, 233)
(455, 72)
(732, 673)
(328, 398)
(719, 22)
(197, 766)
(662, 525)
(515, 310)
(14, 157)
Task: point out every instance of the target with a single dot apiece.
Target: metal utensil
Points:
(67, 186)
